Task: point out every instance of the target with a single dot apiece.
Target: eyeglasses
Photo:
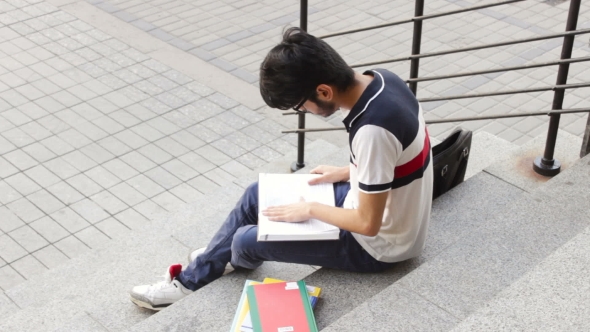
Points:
(298, 109)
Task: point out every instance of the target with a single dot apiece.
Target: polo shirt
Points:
(390, 152)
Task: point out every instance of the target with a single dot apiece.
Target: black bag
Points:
(450, 161)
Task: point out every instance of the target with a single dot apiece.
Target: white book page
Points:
(283, 189)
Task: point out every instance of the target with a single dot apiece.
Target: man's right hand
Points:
(330, 174)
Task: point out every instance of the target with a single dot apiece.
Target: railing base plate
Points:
(546, 170)
(295, 166)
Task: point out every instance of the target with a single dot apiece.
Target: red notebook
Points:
(281, 307)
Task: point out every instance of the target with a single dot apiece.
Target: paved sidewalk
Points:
(96, 138)
(101, 127)
(235, 36)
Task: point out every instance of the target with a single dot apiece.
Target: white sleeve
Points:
(376, 152)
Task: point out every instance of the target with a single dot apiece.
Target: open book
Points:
(283, 189)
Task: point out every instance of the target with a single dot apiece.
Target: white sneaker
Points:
(193, 255)
(164, 293)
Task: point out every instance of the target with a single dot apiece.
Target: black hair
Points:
(294, 68)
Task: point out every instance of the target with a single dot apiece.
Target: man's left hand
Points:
(296, 212)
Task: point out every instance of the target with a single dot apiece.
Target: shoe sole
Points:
(146, 305)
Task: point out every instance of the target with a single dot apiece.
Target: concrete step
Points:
(554, 295)
(62, 294)
(343, 291)
(475, 267)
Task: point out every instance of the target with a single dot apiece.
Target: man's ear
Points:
(325, 92)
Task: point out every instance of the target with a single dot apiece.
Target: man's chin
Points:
(329, 113)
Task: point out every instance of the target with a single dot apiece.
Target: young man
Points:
(383, 198)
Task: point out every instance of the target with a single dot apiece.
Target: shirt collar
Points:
(374, 88)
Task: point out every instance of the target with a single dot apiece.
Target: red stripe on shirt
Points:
(416, 163)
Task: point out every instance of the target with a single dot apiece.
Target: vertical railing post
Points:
(547, 165)
(586, 142)
(299, 164)
(416, 41)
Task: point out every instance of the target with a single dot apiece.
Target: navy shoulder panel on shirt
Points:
(395, 109)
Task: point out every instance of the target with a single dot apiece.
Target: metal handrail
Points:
(464, 119)
(497, 93)
(545, 165)
(418, 18)
(474, 48)
(511, 92)
(498, 70)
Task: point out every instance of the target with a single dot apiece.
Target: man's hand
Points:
(330, 174)
(296, 212)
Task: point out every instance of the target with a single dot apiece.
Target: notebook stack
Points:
(276, 305)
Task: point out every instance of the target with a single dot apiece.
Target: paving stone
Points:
(250, 160)
(187, 139)
(168, 201)
(131, 219)
(49, 229)
(84, 185)
(50, 257)
(61, 168)
(229, 148)
(9, 277)
(180, 170)
(145, 185)
(103, 105)
(113, 228)
(120, 169)
(109, 202)
(74, 138)
(147, 132)
(27, 238)
(138, 161)
(103, 177)
(39, 152)
(6, 168)
(10, 250)
(42, 176)
(9, 221)
(109, 125)
(155, 153)
(91, 131)
(45, 201)
(14, 98)
(179, 119)
(17, 118)
(163, 177)
(20, 159)
(7, 193)
(150, 209)
(23, 184)
(213, 155)
(97, 153)
(218, 126)
(92, 212)
(33, 111)
(80, 161)
(186, 193)
(156, 106)
(71, 246)
(57, 145)
(171, 146)
(220, 176)
(92, 237)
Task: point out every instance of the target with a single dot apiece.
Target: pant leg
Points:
(211, 264)
(344, 254)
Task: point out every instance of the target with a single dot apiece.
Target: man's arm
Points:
(365, 220)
